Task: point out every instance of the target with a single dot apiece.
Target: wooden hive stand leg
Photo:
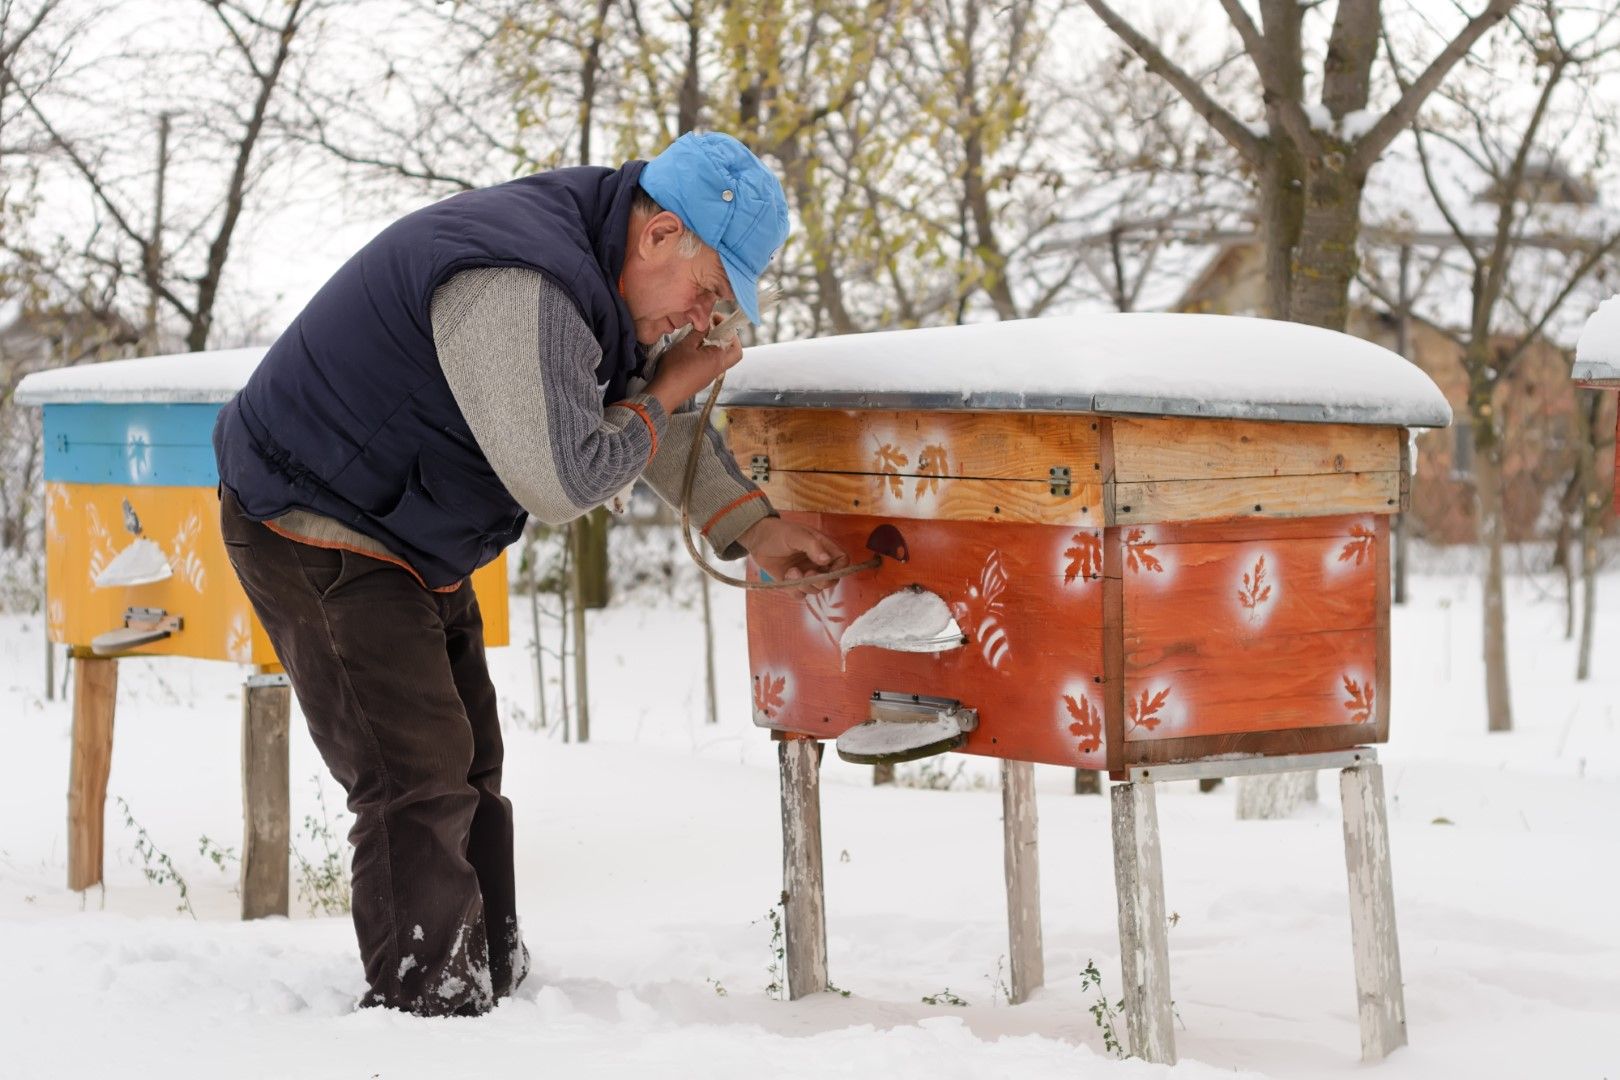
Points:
(1023, 878)
(1380, 1000)
(1144, 949)
(803, 896)
(266, 840)
(95, 696)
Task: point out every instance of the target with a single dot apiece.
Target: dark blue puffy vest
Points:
(349, 414)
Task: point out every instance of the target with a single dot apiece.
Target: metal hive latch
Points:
(759, 468)
(1059, 480)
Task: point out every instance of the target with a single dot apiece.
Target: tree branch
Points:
(1372, 145)
(1229, 126)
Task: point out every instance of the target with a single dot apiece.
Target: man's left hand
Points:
(788, 551)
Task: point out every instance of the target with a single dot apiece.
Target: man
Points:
(481, 360)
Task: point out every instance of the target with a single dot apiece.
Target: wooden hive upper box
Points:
(1159, 537)
(128, 444)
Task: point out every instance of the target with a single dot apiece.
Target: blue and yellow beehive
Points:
(128, 458)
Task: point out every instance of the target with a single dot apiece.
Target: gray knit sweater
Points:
(521, 363)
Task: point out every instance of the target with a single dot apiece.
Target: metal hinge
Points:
(759, 468)
(1059, 479)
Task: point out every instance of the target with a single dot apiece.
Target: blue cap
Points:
(722, 192)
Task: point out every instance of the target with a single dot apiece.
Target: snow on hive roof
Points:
(1597, 353)
(183, 377)
(1156, 364)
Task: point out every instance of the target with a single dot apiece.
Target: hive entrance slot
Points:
(142, 626)
(905, 727)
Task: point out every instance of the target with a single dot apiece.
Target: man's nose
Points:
(699, 315)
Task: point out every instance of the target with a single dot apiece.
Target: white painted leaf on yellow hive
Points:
(185, 555)
(239, 638)
(58, 501)
(102, 551)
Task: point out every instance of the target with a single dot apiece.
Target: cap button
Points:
(726, 195)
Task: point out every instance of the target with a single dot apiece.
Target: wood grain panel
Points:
(1176, 448)
(1023, 501)
(1249, 589)
(1255, 634)
(1271, 497)
(994, 445)
(1262, 685)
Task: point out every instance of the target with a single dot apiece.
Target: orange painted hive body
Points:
(128, 446)
(1128, 588)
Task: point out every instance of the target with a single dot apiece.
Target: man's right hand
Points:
(688, 366)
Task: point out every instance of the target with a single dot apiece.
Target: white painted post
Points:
(1144, 949)
(1380, 999)
(803, 897)
(1023, 878)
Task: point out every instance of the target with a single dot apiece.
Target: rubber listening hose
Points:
(686, 519)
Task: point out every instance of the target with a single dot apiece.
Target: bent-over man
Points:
(481, 360)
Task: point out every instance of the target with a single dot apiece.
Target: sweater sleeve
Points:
(521, 363)
(724, 501)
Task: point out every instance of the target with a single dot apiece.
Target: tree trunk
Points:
(1589, 561)
(1589, 417)
(589, 536)
(1325, 259)
(1488, 500)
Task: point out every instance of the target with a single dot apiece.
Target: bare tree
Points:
(182, 262)
(1523, 235)
(1311, 159)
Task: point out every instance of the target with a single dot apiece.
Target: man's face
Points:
(664, 289)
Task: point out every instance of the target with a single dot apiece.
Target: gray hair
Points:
(689, 246)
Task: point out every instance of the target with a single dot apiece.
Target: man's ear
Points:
(660, 234)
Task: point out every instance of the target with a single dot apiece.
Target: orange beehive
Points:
(1156, 545)
(1130, 589)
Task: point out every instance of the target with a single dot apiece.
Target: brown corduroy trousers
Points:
(392, 680)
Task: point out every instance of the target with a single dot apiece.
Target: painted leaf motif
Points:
(1359, 546)
(1087, 726)
(1137, 553)
(185, 556)
(826, 608)
(1085, 558)
(239, 639)
(1143, 712)
(1255, 592)
(768, 693)
(931, 465)
(888, 462)
(1360, 702)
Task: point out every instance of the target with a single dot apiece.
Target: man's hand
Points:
(788, 551)
(688, 366)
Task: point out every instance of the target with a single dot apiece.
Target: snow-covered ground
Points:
(649, 859)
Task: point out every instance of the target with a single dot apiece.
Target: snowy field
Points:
(649, 859)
